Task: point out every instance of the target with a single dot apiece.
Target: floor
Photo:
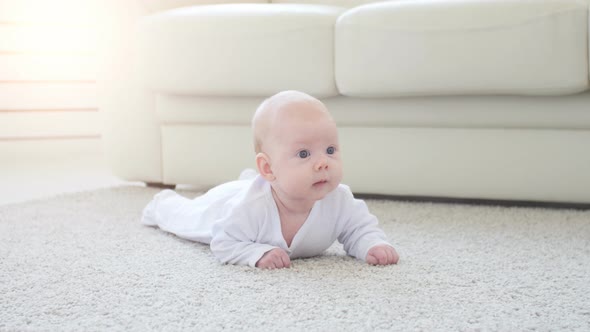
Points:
(27, 179)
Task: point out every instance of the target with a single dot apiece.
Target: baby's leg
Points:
(178, 215)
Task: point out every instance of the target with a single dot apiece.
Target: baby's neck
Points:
(292, 208)
(292, 216)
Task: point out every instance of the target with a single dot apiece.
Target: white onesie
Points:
(240, 221)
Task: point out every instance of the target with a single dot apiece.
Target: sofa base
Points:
(498, 164)
(479, 201)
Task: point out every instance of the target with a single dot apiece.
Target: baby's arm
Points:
(361, 236)
(229, 248)
(242, 239)
(232, 246)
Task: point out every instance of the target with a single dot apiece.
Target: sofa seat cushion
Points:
(240, 49)
(428, 47)
(542, 112)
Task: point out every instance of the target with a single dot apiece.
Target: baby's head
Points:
(296, 141)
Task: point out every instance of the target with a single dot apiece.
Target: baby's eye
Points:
(303, 154)
(331, 150)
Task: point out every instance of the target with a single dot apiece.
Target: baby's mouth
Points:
(319, 183)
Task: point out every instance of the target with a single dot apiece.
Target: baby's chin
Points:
(323, 188)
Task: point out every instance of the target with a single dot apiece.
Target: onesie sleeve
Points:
(234, 241)
(360, 230)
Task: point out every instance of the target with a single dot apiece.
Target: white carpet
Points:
(82, 262)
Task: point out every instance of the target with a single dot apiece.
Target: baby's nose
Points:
(321, 164)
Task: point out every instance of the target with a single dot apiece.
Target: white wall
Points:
(48, 71)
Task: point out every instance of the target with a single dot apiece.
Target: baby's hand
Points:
(382, 255)
(274, 259)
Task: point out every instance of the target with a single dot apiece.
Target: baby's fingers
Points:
(382, 255)
(376, 257)
(282, 259)
(285, 260)
(275, 259)
(390, 256)
(372, 259)
(394, 256)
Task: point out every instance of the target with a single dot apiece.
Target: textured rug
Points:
(82, 262)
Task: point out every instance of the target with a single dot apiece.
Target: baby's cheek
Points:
(297, 182)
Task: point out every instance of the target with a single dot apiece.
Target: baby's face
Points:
(305, 154)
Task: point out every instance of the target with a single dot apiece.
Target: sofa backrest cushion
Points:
(338, 3)
(429, 47)
(240, 50)
(160, 5)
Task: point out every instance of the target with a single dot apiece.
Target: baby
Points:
(295, 207)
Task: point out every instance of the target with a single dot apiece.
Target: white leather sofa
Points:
(440, 98)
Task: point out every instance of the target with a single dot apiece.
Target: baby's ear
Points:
(263, 165)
